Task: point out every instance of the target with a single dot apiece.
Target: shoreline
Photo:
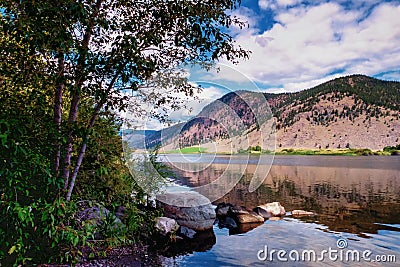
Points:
(352, 152)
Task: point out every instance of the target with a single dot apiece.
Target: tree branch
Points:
(73, 113)
(92, 121)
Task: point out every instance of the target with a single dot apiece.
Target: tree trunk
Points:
(73, 113)
(82, 151)
(58, 115)
(76, 169)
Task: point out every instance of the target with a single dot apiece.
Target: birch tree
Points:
(95, 51)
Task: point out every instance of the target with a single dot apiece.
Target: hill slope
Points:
(355, 111)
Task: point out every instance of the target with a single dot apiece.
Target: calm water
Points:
(356, 199)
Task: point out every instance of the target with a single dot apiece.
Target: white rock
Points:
(275, 208)
(166, 225)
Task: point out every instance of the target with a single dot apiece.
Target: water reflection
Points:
(357, 195)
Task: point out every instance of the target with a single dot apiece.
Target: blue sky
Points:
(299, 44)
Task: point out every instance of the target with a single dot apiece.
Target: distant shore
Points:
(294, 151)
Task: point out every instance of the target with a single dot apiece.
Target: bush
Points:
(36, 224)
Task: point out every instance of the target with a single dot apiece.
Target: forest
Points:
(69, 69)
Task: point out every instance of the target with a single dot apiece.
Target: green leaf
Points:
(12, 249)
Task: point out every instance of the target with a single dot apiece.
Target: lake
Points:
(356, 201)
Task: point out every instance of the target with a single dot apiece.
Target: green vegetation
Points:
(253, 150)
(393, 150)
(188, 150)
(328, 152)
(332, 152)
(65, 70)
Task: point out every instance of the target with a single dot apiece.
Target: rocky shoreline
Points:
(186, 226)
(181, 218)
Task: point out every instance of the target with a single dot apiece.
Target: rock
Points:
(300, 213)
(121, 212)
(223, 209)
(189, 209)
(187, 232)
(97, 215)
(242, 215)
(275, 208)
(166, 225)
(227, 222)
(263, 213)
(251, 217)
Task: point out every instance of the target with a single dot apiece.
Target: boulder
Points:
(121, 212)
(274, 208)
(166, 225)
(301, 213)
(98, 216)
(190, 209)
(262, 212)
(227, 222)
(223, 209)
(242, 215)
(251, 217)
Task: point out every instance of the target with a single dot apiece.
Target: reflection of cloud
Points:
(310, 42)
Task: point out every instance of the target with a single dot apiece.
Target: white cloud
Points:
(194, 107)
(309, 43)
(246, 15)
(274, 4)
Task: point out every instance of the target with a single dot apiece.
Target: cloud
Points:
(194, 107)
(309, 43)
(246, 15)
(275, 4)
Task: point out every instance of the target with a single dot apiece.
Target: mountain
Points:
(355, 111)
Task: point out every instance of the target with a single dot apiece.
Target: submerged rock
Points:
(274, 208)
(189, 209)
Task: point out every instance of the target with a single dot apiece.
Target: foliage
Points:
(189, 150)
(94, 51)
(393, 150)
(149, 173)
(66, 67)
(256, 148)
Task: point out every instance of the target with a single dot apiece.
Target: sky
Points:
(299, 44)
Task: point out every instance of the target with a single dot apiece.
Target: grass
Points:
(291, 151)
(333, 152)
(188, 150)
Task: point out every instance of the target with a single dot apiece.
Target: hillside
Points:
(356, 111)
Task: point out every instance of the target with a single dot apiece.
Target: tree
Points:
(91, 53)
